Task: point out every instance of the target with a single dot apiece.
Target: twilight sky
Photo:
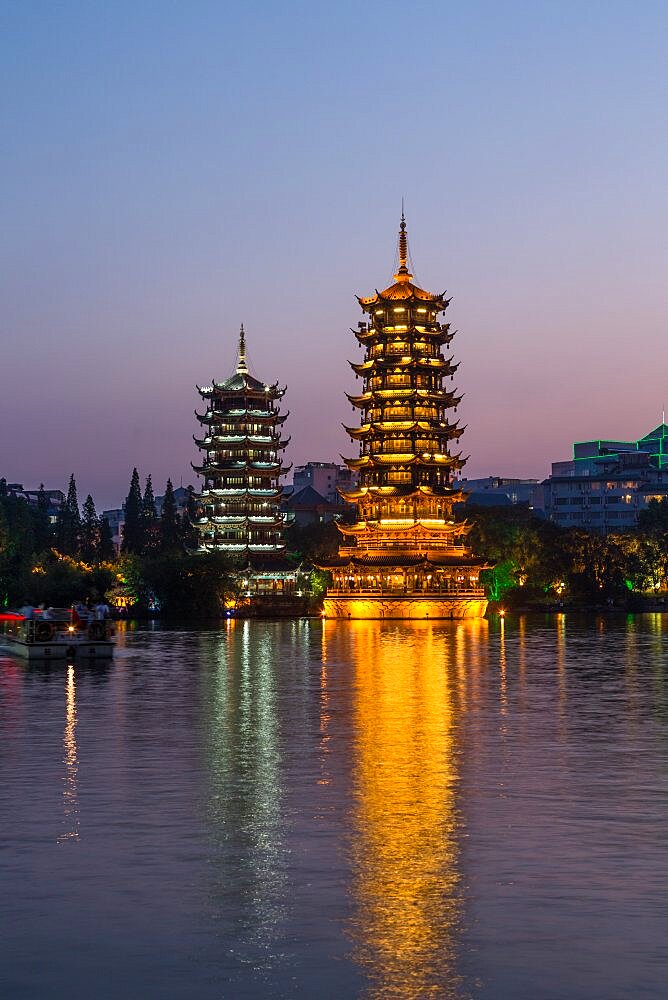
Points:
(170, 170)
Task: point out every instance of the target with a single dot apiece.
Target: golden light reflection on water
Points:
(503, 673)
(325, 714)
(406, 825)
(70, 797)
(244, 807)
(560, 625)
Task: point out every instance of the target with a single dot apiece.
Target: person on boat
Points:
(27, 610)
(79, 614)
(101, 611)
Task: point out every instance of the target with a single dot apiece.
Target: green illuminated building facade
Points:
(608, 483)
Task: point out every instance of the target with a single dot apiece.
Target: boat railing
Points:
(41, 629)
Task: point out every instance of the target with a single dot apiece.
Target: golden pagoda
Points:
(405, 555)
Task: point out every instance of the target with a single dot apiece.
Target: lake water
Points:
(340, 809)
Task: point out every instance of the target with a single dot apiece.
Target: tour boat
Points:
(58, 637)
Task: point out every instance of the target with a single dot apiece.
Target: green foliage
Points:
(536, 561)
(644, 561)
(17, 545)
(170, 535)
(149, 521)
(33, 565)
(42, 525)
(90, 531)
(133, 531)
(68, 528)
(525, 552)
(318, 581)
(106, 549)
(498, 580)
(188, 533)
(60, 580)
(655, 517)
(596, 564)
(185, 585)
(313, 541)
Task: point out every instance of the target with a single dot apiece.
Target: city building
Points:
(241, 468)
(499, 491)
(326, 478)
(607, 483)
(306, 506)
(116, 521)
(405, 556)
(55, 499)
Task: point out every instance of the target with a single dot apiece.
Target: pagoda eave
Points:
(241, 494)
(400, 561)
(376, 529)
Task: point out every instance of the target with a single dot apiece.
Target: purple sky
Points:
(171, 170)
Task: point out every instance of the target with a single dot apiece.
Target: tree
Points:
(69, 522)
(312, 542)
(133, 531)
(106, 550)
(655, 517)
(192, 512)
(5, 540)
(149, 518)
(170, 539)
(17, 545)
(42, 523)
(60, 580)
(186, 585)
(527, 555)
(645, 561)
(596, 563)
(90, 531)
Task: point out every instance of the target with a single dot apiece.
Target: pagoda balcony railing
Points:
(231, 546)
(269, 412)
(237, 491)
(234, 439)
(385, 380)
(463, 591)
(402, 548)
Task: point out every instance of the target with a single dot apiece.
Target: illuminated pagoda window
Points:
(239, 505)
(405, 556)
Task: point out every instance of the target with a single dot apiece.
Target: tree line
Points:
(146, 533)
(76, 557)
(534, 561)
(531, 561)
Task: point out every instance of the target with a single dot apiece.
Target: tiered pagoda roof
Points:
(405, 493)
(241, 465)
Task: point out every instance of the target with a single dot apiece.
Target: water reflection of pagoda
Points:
(405, 556)
(240, 498)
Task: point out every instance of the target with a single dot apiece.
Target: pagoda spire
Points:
(242, 367)
(403, 274)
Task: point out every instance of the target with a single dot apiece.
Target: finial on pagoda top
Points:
(242, 367)
(403, 274)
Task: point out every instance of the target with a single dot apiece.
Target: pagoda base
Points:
(387, 606)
